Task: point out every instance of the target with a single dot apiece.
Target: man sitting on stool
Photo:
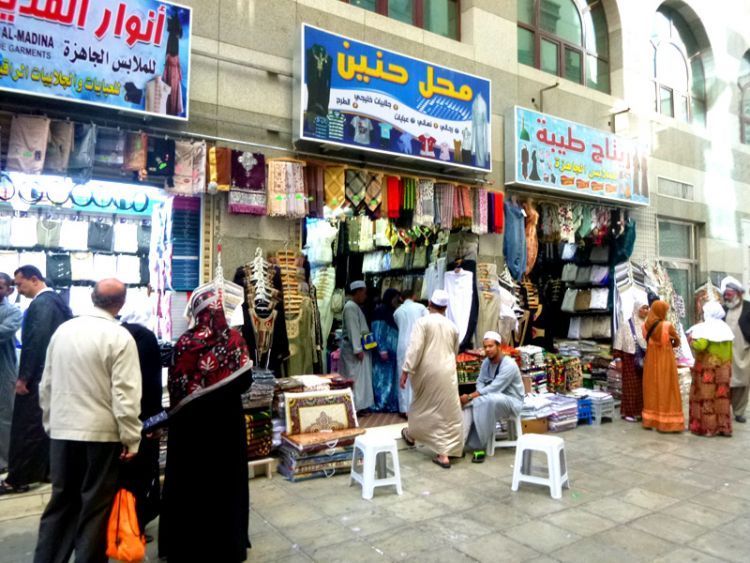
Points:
(499, 395)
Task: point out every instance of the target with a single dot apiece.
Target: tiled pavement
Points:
(636, 496)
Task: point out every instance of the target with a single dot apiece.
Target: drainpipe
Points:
(541, 95)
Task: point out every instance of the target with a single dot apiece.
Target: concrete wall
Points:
(231, 99)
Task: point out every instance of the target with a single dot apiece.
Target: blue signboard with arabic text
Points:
(555, 154)
(131, 55)
(359, 95)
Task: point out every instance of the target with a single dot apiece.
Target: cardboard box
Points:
(534, 425)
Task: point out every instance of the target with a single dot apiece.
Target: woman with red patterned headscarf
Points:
(205, 518)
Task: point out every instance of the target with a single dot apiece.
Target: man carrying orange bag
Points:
(90, 396)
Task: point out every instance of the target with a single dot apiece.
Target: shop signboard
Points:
(131, 55)
(554, 154)
(354, 94)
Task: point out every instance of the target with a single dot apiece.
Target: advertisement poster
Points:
(556, 154)
(131, 55)
(358, 95)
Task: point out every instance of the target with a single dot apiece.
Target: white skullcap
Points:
(492, 335)
(731, 283)
(439, 298)
(355, 285)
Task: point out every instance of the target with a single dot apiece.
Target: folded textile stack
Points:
(536, 406)
(259, 433)
(614, 383)
(539, 381)
(278, 428)
(530, 357)
(320, 431)
(468, 365)
(310, 456)
(313, 382)
(564, 413)
(285, 385)
(337, 381)
(260, 394)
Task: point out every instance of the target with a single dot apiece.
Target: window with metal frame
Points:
(673, 188)
(438, 16)
(679, 81)
(567, 38)
(677, 251)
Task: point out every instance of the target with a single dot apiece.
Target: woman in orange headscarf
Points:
(662, 404)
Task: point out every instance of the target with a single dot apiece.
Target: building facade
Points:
(668, 74)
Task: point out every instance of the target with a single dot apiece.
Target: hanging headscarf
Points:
(384, 311)
(209, 352)
(713, 328)
(631, 332)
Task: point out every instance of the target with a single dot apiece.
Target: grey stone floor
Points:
(636, 496)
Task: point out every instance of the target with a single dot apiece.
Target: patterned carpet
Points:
(377, 419)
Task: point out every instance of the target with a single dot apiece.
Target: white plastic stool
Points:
(602, 410)
(367, 448)
(557, 471)
(493, 442)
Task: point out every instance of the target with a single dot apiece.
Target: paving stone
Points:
(542, 536)
(723, 545)
(497, 547)
(669, 527)
(403, 543)
(349, 551)
(723, 502)
(581, 522)
(704, 516)
(685, 555)
(639, 545)
(615, 509)
(647, 499)
(442, 555)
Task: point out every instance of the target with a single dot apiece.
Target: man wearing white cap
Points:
(738, 319)
(356, 362)
(435, 412)
(499, 395)
(405, 316)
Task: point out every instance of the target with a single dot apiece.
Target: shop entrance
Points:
(677, 250)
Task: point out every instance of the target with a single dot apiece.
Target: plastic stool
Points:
(557, 471)
(603, 410)
(367, 448)
(493, 442)
(584, 411)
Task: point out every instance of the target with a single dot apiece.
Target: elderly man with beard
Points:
(738, 319)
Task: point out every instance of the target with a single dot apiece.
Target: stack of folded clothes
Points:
(564, 413)
(320, 431)
(259, 433)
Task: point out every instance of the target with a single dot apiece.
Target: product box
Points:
(534, 425)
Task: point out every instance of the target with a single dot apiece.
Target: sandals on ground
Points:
(7, 489)
(444, 465)
(407, 439)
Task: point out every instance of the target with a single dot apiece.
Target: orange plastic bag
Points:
(124, 539)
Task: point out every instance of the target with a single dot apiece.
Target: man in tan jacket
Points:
(90, 396)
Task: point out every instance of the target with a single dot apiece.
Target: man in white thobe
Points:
(738, 319)
(499, 395)
(435, 414)
(356, 362)
(405, 316)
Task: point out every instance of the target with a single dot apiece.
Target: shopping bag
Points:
(124, 539)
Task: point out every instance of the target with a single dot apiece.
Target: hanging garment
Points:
(514, 241)
(219, 168)
(110, 148)
(532, 244)
(48, 233)
(183, 168)
(334, 180)
(374, 192)
(460, 287)
(248, 170)
(395, 196)
(247, 202)
(59, 146)
(199, 166)
(23, 232)
(315, 188)
(356, 186)
(82, 266)
(100, 236)
(136, 152)
(81, 161)
(126, 237)
(300, 331)
(74, 235)
(27, 145)
(160, 159)
(424, 214)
